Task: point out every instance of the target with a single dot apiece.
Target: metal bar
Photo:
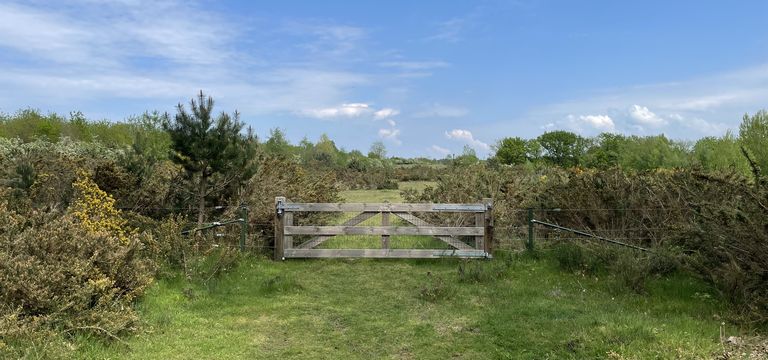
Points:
(244, 228)
(577, 232)
(212, 225)
(529, 245)
(279, 229)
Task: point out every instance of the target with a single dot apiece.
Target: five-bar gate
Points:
(480, 232)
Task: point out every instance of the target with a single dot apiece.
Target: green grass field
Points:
(368, 309)
(392, 196)
(512, 307)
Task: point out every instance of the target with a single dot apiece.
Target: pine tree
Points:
(206, 146)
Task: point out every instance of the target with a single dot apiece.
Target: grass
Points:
(369, 309)
(392, 196)
(513, 307)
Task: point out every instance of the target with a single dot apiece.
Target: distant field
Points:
(513, 307)
(384, 195)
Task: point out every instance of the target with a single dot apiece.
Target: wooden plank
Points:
(383, 230)
(288, 221)
(488, 228)
(382, 253)
(279, 230)
(480, 221)
(385, 223)
(379, 207)
(317, 240)
(412, 219)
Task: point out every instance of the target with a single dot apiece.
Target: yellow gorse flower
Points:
(95, 210)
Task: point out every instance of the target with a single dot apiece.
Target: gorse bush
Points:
(56, 274)
(95, 210)
(77, 271)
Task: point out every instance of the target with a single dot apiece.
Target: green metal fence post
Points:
(244, 226)
(529, 245)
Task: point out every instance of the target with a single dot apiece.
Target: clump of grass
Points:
(279, 284)
(472, 271)
(573, 257)
(434, 289)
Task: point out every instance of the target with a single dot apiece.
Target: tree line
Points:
(607, 150)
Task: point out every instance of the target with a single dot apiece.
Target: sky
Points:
(424, 77)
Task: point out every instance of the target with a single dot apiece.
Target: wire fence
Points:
(641, 227)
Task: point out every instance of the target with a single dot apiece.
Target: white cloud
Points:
(439, 150)
(415, 65)
(391, 135)
(345, 110)
(706, 102)
(328, 41)
(600, 122)
(353, 110)
(449, 30)
(644, 116)
(385, 113)
(439, 110)
(700, 125)
(391, 122)
(467, 137)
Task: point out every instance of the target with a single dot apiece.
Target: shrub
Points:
(54, 274)
(280, 177)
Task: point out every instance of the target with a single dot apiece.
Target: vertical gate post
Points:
(287, 221)
(244, 226)
(488, 225)
(385, 222)
(529, 244)
(279, 227)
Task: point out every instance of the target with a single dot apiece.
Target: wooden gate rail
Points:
(482, 231)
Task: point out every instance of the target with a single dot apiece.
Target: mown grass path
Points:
(367, 309)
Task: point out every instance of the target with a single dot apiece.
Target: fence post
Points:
(529, 244)
(488, 225)
(244, 226)
(385, 222)
(279, 234)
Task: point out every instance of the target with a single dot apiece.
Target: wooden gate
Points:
(479, 232)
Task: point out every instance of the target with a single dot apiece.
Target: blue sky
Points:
(426, 77)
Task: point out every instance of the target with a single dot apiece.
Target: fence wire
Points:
(644, 227)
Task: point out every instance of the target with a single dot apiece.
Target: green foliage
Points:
(56, 275)
(753, 134)
(516, 151)
(378, 150)
(277, 144)
(562, 148)
(276, 176)
(206, 146)
(468, 157)
(606, 151)
(653, 152)
(720, 154)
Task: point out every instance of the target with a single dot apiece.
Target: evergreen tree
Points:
(206, 146)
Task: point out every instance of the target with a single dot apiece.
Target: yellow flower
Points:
(95, 210)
